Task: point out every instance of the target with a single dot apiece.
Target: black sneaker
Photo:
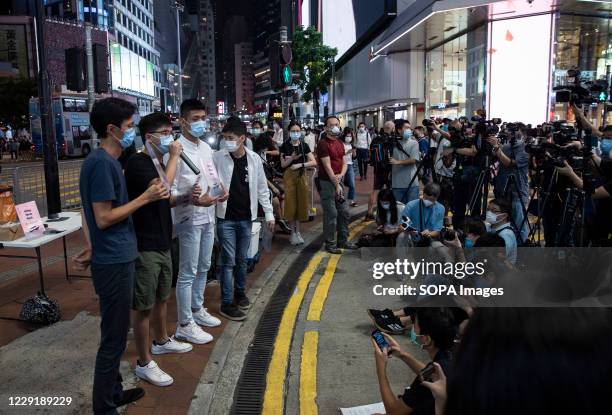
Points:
(285, 226)
(242, 301)
(231, 312)
(333, 250)
(386, 321)
(129, 396)
(348, 245)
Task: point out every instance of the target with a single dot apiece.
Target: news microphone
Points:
(190, 164)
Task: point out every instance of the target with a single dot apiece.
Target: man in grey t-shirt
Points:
(404, 163)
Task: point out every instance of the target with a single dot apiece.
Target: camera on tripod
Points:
(486, 128)
(579, 91)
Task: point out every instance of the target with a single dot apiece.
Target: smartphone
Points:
(381, 341)
(427, 373)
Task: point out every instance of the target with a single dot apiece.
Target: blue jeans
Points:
(406, 195)
(234, 240)
(195, 249)
(114, 284)
(349, 180)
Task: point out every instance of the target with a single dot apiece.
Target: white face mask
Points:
(231, 146)
(492, 217)
(335, 130)
(348, 139)
(428, 203)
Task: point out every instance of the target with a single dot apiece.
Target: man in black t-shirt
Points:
(153, 226)
(434, 331)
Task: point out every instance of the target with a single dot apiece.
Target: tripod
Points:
(510, 186)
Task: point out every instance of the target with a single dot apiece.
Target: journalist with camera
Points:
(381, 150)
(512, 182)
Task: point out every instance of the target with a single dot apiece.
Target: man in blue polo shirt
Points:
(426, 214)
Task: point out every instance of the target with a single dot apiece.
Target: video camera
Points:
(484, 127)
(579, 91)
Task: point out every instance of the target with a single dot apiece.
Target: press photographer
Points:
(512, 181)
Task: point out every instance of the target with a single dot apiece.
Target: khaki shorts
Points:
(153, 281)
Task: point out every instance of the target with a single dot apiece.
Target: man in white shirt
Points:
(279, 137)
(194, 220)
(241, 172)
(362, 144)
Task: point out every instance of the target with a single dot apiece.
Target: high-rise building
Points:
(244, 78)
(235, 31)
(206, 41)
(135, 60)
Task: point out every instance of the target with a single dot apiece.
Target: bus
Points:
(73, 133)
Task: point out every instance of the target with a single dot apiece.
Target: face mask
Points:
(256, 131)
(348, 139)
(407, 134)
(491, 217)
(164, 143)
(385, 205)
(197, 128)
(468, 243)
(444, 128)
(276, 127)
(295, 135)
(335, 130)
(606, 147)
(362, 129)
(128, 138)
(231, 146)
(428, 203)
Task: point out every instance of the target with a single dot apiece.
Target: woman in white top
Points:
(349, 153)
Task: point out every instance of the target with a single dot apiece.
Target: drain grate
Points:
(248, 396)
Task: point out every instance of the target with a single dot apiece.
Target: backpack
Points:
(40, 309)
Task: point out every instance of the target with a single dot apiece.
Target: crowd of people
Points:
(430, 189)
(16, 144)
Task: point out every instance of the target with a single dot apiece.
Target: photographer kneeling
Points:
(426, 216)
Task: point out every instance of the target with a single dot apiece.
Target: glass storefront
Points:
(455, 73)
(583, 43)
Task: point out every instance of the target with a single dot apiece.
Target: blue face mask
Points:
(197, 128)
(444, 128)
(413, 337)
(128, 138)
(468, 243)
(295, 135)
(606, 147)
(385, 205)
(164, 143)
(256, 131)
(407, 134)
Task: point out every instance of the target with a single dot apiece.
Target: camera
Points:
(579, 91)
(427, 123)
(448, 234)
(406, 224)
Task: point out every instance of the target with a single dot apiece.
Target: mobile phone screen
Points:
(380, 340)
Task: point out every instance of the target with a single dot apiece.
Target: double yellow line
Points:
(274, 395)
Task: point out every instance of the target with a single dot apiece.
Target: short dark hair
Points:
(264, 141)
(329, 117)
(432, 189)
(258, 123)
(361, 123)
(503, 204)
(191, 104)
(152, 122)
(475, 226)
(399, 124)
(294, 123)
(234, 125)
(110, 111)
(490, 240)
(439, 324)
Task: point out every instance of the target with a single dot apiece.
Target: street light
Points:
(179, 7)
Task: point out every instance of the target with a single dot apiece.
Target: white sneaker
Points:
(204, 318)
(299, 238)
(171, 346)
(192, 333)
(153, 374)
(294, 239)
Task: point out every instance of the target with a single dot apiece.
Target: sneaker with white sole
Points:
(204, 318)
(192, 333)
(299, 238)
(153, 374)
(171, 346)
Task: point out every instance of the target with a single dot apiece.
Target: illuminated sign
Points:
(220, 107)
(131, 72)
(277, 115)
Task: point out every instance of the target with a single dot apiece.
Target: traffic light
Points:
(100, 68)
(75, 69)
(280, 56)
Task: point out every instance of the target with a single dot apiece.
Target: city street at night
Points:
(303, 207)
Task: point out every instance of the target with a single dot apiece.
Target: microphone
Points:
(190, 164)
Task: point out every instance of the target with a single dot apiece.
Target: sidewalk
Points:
(76, 339)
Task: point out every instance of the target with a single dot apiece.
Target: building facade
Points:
(244, 77)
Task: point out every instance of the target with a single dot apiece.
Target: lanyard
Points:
(157, 164)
